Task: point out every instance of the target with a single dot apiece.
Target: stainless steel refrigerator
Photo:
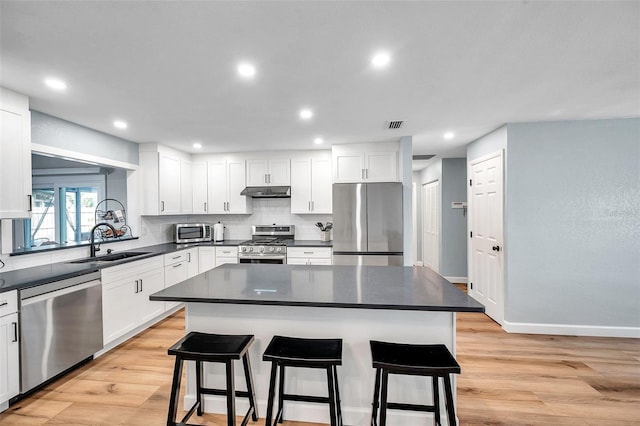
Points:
(367, 224)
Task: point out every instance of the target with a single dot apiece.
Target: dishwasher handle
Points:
(61, 292)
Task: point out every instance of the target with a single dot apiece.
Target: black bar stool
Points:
(203, 347)
(413, 360)
(307, 353)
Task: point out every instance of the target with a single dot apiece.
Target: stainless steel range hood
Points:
(267, 191)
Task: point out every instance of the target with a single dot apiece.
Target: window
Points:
(63, 211)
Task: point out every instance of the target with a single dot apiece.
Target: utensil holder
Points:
(325, 235)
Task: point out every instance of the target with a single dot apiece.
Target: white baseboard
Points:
(458, 280)
(571, 330)
(419, 263)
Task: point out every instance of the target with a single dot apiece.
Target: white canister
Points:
(218, 232)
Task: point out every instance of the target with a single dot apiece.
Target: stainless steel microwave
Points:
(193, 232)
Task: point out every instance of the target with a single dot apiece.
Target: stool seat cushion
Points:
(413, 359)
(210, 346)
(308, 351)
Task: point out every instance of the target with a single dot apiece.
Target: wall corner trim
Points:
(571, 329)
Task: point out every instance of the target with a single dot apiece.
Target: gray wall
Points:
(55, 132)
(453, 261)
(573, 223)
(452, 175)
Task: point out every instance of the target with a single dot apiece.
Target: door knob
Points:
(495, 248)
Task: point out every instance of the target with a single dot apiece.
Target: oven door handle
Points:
(283, 257)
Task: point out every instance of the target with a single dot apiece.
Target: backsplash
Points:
(159, 229)
(266, 211)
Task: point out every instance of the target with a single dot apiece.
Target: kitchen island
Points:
(355, 303)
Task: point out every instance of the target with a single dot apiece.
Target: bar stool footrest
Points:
(220, 392)
(305, 398)
(411, 407)
(223, 392)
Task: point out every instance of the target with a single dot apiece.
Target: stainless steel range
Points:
(268, 244)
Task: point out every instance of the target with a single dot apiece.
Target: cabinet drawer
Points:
(231, 251)
(8, 302)
(131, 268)
(309, 252)
(174, 274)
(175, 257)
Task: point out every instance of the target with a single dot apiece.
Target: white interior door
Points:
(414, 219)
(486, 227)
(431, 226)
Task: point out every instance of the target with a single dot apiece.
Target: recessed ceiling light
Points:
(120, 124)
(197, 145)
(306, 114)
(55, 84)
(448, 135)
(318, 141)
(246, 70)
(380, 59)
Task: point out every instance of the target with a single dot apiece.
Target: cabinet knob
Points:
(495, 248)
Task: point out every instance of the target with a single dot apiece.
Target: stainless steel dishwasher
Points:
(60, 326)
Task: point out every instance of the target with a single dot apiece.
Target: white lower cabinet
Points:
(9, 348)
(227, 254)
(309, 256)
(193, 267)
(125, 296)
(206, 258)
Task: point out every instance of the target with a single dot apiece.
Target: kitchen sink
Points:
(111, 257)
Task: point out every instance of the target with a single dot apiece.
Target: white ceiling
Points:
(168, 68)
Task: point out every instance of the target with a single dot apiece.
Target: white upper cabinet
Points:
(15, 155)
(186, 187)
(199, 190)
(169, 184)
(370, 162)
(166, 180)
(226, 179)
(268, 172)
(311, 186)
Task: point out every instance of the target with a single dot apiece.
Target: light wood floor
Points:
(506, 379)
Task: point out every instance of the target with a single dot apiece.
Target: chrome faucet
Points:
(92, 237)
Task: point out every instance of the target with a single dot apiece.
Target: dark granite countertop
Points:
(38, 275)
(367, 287)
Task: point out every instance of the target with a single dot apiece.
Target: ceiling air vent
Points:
(396, 124)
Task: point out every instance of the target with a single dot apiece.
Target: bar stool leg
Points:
(332, 397)
(436, 400)
(231, 395)
(451, 413)
(376, 399)
(250, 387)
(199, 387)
(175, 392)
(338, 403)
(272, 390)
(280, 413)
(383, 398)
